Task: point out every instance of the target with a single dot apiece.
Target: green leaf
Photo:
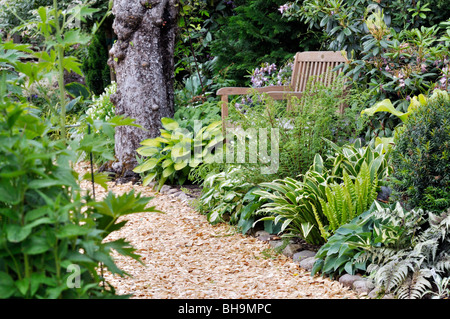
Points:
(168, 171)
(169, 124)
(71, 64)
(23, 285)
(151, 142)
(249, 209)
(16, 233)
(76, 90)
(149, 178)
(147, 165)
(180, 151)
(120, 205)
(147, 151)
(180, 165)
(99, 178)
(43, 183)
(8, 194)
(71, 230)
(35, 246)
(385, 106)
(7, 287)
(72, 37)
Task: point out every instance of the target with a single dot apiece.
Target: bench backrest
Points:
(315, 63)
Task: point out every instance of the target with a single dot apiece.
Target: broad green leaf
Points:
(149, 178)
(72, 37)
(71, 230)
(8, 194)
(23, 285)
(168, 171)
(180, 165)
(36, 245)
(169, 124)
(147, 165)
(167, 162)
(180, 151)
(43, 183)
(385, 106)
(16, 233)
(147, 151)
(151, 142)
(76, 89)
(7, 287)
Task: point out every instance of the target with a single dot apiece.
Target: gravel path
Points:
(186, 257)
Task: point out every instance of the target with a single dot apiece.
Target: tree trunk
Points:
(142, 59)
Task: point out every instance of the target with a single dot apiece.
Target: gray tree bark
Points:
(142, 59)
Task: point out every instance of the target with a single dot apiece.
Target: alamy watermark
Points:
(74, 279)
(254, 146)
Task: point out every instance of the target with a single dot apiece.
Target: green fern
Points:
(349, 199)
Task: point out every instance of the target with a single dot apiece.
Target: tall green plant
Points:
(54, 26)
(51, 236)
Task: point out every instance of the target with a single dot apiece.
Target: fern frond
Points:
(443, 263)
(319, 223)
(349, 205)
(414, 286)
(350, 186)
(391, 275)
(340, 211)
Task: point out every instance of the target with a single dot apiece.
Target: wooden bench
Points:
(306, 65)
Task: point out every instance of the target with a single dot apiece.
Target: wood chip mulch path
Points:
(184, 256)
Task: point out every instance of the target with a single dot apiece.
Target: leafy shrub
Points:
(420, 158)
(172, 155)
(95, 66)
(396, 49)
(47, 229)
(206, 113)
(291, 204)
(404, 251)
(256, 33)
(397, 67)
(344, 23)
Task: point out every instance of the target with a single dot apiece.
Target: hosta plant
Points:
(171, 156)
(291, 203)
(228, 197)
